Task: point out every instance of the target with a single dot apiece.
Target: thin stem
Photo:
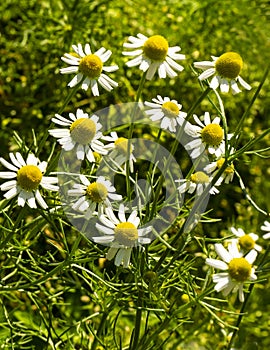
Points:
(244, 116)
(179, 134)
(46, 134)
(130, 133)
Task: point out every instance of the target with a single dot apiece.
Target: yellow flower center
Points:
(97, 157)
(246, 242)
(156, 48)
(126, 233)
(239, 269)
(212, 134)
(83, 130)
(229, 65)
(29, 177)
(170, 109)
(199, 177)
(121, 144)
(229, 170)
(91, 66)
(97, 192)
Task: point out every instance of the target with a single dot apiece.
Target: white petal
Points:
(40, 200)
(206, 74)
(223, 253)
(218, 264)
(243, 83)
(8, 165)
(215, 82)
(251, 256)
(7, 174)
(76, 80)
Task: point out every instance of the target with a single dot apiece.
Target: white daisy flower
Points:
(266, 227)
(154, 54)
(207, 135)
(88, 67)
(118, 148)
(198, 181)
(95, 195)
(82, 133)
(26, 177)
(237, 269)
(225, 70)
(213, 168)
(166, 110)
(246, 241)
(122, 234)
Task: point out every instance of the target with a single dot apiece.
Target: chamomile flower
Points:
(120, 151)
(213, 168)
(93, 195)
(154, 54)
(82, 133)
(246, 241)
(207, 135)
(89, 68)
(122, 234)
(166, 110)
(226, 70)
(266, 227)
(237, 269)
(198, 181)
(27, 176)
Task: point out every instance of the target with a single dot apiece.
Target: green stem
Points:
(179, 134)
(233, 140)
(67, 100)
(191, 216)
(100, 328)
(130, 133)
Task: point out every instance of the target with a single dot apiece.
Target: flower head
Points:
(82, 133)
(213, 168)
(266, 227)
(246, 241)
(122, 234)
(166, 110)
(120, 150)
(209, 135)
(27, 176)
(154, 54)
(226, 70)
(88, 67)
(93, 195)
(197, 181)
(237, 269)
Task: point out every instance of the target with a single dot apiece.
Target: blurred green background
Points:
(35, 34)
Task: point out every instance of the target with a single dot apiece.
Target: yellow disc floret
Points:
(229, 65)
(126, 233)
(97, 192)
(170, 109)
(83, 130)
(91, 66)
(156, 48)
(246, 242)
(212, 134)
(229, 170)
(29, 177)
(121, 144)
(239, 269)
(199, 177)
